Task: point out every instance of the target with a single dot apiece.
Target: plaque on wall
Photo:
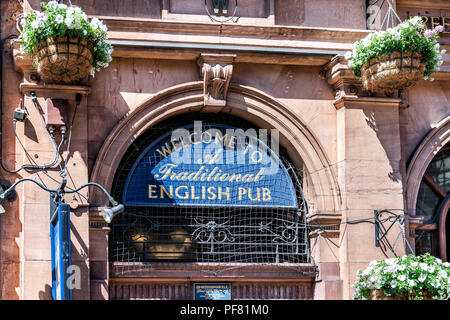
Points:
(212, 291)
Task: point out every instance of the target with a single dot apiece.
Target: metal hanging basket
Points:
(394, 71)
(63, 60)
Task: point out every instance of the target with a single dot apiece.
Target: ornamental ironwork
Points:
(381, 14)
(220, 9)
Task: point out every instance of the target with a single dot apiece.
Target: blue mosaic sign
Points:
(209, 165)
(212, 291)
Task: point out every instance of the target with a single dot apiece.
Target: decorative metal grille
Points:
(381, 14)
(143, 236)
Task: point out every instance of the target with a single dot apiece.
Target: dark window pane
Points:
(427, 203)
(425, 243)
(439, 169)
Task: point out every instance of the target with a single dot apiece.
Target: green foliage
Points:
(411, 35)
(412, 276)
(59, 20)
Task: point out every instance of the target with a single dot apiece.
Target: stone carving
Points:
(216, 70)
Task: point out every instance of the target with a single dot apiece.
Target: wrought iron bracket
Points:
(380, 231)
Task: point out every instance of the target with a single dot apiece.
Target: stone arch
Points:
(248, 103)
(428, 148)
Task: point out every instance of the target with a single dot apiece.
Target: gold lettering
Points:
(165, 151)
(446, 25)
(183, 143)
(212, 173)
(236, 177)
(232, 142)
(266, 194)
(256, 159)
(259, 175)
(186, 194)
(190, 138)
(166, 170)
(212, 195)
(247, 177)
(203, 193)
(174, 146)
(203, 137)
(227, 193)
(164, 191)
(434, 23)
(250, 194)
(151, 192)
(247, 147)
(223, 138)
(193, 197)
(241, 192)
(194, 175)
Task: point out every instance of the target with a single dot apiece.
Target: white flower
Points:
(95, 23)
(422, 277)
(443, 274)
(414, 264)
(401, 277)
(402, 267)
(35, 24)
(431, 269)
(393, 283)
(391, 261)
(423, 266)
(59, 18)
(411, 282)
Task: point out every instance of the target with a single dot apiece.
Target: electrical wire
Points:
(50, 138)
(63, 170)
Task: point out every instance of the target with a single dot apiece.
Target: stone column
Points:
(35, 268)
(369, 169)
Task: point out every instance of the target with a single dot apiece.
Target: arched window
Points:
(238, 214)
(433, 204)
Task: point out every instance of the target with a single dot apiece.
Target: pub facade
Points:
(243, 157)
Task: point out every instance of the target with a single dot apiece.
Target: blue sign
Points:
(212, 291)
(60, 250)
(217, 166)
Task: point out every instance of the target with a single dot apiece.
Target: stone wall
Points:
(359, 144)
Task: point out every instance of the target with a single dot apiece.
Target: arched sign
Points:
(210, 165)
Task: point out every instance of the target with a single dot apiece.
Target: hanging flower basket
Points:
(404, 278)
(65, 46)
(397, 70)
(396, 58)
(381, 295)
(63, 60)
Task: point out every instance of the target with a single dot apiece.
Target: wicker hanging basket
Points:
(394, 71)
(63, 60)
(380, 295)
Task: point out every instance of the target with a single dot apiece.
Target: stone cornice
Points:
(230, 29)
(424, 4)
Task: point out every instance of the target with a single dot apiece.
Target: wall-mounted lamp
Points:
(107, 213)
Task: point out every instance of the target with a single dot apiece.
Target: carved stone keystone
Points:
(216, 71)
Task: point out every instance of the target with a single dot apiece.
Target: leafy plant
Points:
(410, 35)
(409, 276)
(59, 20)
